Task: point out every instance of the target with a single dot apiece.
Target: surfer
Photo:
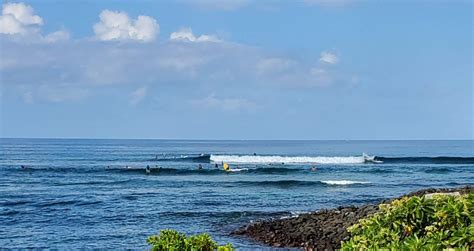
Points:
(148, 169)
(216, 165)
(23, 167)
(226, 167)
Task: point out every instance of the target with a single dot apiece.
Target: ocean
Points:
(94, 193)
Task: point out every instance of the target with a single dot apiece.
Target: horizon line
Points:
(201, 139)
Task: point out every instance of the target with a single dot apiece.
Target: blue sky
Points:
(244, 69)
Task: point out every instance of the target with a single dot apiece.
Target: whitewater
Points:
(287, 159)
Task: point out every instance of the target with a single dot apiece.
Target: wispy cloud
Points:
(186, 34)
(274, 65)
(95, 65)
(138, 95)
(329, 58)
(52, 93)
(222, 103)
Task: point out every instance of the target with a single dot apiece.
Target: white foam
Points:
(284, 159)
(238, 169)
(343, 182)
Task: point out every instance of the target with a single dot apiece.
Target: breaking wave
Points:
(297, 183)
(285, 159)
(343, 182)
(269, 159)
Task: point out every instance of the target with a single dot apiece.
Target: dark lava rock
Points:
(323, 229)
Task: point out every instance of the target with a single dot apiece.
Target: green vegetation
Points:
(417, 223)
(172, 240)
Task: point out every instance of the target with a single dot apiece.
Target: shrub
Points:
(172, 240)
(414, 223)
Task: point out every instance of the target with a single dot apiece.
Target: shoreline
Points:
(323, 229)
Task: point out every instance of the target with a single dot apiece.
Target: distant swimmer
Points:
(313, 169)
(199, 167)
(148, 169)
(216, 165)
(254, 154)
(23, 167)
(156, 157)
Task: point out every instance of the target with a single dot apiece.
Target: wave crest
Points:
(285, 159)
(343, 182)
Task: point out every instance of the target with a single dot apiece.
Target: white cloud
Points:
(57, 36)
(227, 104)
(116, 25)
(328, 58)
(186, 34)
(22, 12)
(19, 18)
(138, 95)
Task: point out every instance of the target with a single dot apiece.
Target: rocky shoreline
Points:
(323, 229)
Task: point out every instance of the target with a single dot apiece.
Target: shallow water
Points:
(79, 193)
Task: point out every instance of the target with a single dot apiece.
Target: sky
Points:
(243, 69)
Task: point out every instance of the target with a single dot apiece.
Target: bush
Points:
(172, 240)
(414, 223)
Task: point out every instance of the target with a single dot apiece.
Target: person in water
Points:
(216, 165)
(226, 167)
(199, 167)
(148, 169)
(313, 168)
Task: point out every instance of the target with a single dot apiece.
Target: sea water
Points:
(88, 193)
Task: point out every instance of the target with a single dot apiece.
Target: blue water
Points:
(95, 193)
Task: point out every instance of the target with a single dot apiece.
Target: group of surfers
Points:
(225, 166)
